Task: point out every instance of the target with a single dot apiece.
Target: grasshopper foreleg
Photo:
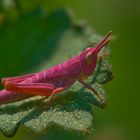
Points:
(91, 88)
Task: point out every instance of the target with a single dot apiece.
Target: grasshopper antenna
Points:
(103, 42)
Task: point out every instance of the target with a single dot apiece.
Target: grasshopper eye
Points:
(89, 58)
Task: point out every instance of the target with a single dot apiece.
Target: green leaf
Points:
(59, 40)
(24, 41)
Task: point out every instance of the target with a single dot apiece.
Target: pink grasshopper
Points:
(60, 77)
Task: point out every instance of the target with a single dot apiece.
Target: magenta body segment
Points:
(56, 78)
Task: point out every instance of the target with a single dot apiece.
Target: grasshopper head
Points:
(89, 56)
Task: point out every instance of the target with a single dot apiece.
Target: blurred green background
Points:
(120, 119)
